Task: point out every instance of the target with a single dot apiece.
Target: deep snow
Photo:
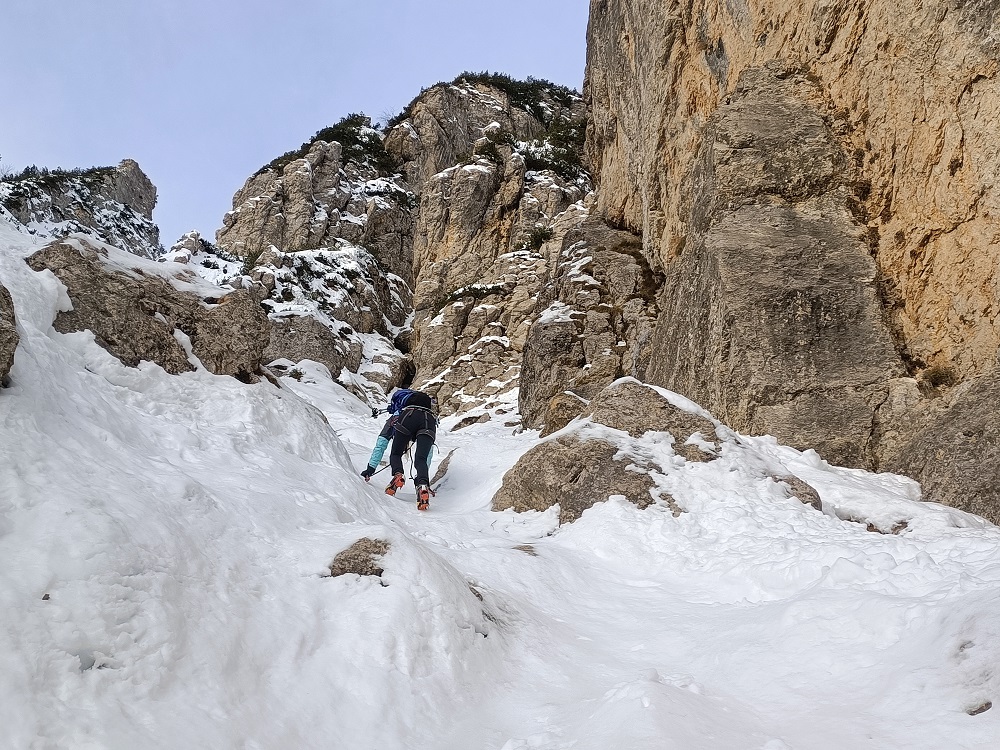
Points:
(164, 539)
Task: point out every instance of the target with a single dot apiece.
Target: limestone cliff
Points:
(499, 187)
(815, 182)
(913, 91)
(113, 204)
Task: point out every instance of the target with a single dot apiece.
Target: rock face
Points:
(445, 123)
(479, 276)
(328, 232)
(317, 201)
(830, 259)
(594, 321)
(590, 461)
(8, 334)
(464, 199)
(923, 182)
(135, 314)
(487, 229)
(114, 204)
(770, 312)
(955, 453)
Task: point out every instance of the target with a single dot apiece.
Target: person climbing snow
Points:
(411, 420)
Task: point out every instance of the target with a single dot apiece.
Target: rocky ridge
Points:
(113, 204)
(454, 212)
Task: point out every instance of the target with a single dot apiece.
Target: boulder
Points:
(8, 334)
(229, 337)
(563, 408)
(572, 471)
(363, 558)
(134, 314)
(587, 463)
(637, 408)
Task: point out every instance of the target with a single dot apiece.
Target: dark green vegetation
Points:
(360, 141)
(560, 149)
(538, 237)
(537, 96)
(53, 177)
(471, 292)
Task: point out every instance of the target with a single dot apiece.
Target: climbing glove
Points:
(367, 473)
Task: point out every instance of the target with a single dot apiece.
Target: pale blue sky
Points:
(202, 93)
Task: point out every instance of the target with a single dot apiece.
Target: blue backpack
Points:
(398, 400)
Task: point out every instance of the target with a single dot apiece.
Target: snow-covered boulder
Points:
(137, 311)
(607, 452)
(573, 470)
(8, 333)
(363, 558)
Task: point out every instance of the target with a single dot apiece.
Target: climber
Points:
(411, 420)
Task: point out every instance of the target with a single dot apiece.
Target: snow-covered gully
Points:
(165, 543)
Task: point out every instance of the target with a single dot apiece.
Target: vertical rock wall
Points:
(915, 87)
(770, 311)
(815, 181)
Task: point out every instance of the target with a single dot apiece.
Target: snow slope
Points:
(164, 539)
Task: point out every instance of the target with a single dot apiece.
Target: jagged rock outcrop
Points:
(596, 457)
(336, 306)
(136, 314)
(471, 326)
(328, 232)
(487, 227)
(445, 122)
(113, 204)
(8, 334)
(187, 246)
(317, 200)
(596, 315)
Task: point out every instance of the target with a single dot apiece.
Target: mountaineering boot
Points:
(423, 496)
(395, 483)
